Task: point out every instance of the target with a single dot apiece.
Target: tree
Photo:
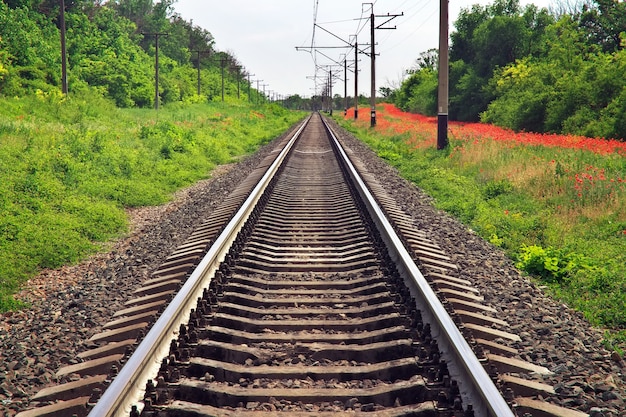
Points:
(426, 60)
(30, 41)
(604, 23)
(522, 97)
(418, 92)
(488, 38)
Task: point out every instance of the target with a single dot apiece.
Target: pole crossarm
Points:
(333, 60)
(332, 34)
(389, 17)
(308, 48)
(373, 28)
(347, 43)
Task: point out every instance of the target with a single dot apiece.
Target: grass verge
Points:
(559, 211)
(69, 167)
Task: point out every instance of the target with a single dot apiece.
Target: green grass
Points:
(70, 166)
(570, 236)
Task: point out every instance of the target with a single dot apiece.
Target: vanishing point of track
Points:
(302, 296)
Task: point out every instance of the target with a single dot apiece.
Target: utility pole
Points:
(249, 75)
(373, 27)
(442, 94)
(63, 50)
(222, 63)
(238, 85)
(156, 65)
(257, 91)
(373, 72)
(356, 79)
(345, 86)
(317, 50)
(199, 52)
(237, 69)
(330, 89)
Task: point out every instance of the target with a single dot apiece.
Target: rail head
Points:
(463, 364)
(128, 387)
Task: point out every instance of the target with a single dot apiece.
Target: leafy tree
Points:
(295, 102)
(567, 45)
(462, 46)
(387, 93)
(487, 38)
(418, 92)
(426, 60)
(137, 11)
(108, 53)
(103, 55)
(604, 23)
(30, 42)
(523, 94)
(469, 95)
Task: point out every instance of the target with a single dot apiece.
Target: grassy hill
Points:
(69, 166)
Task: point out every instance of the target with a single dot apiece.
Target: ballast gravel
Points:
(69, 305)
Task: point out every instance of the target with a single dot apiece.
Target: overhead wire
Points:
(416, 27)
(313, 56)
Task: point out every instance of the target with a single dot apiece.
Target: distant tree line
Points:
(561, 70)
(110, 50)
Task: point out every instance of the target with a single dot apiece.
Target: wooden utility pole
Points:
(442, 95)
(238, 73)
(63, 50)
(257, 91)
(249, 75)
(156, 65)
(222, 63)
(199, 52)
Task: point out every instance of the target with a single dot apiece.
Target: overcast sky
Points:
(264, 34)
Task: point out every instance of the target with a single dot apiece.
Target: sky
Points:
(264, 34)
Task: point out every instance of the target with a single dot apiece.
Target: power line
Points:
(315, 9)
(409, 36)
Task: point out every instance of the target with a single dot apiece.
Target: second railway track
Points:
(308, 312)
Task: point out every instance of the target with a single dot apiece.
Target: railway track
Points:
(302, 296)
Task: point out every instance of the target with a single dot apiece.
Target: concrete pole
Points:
(373, 70)
(442, 96)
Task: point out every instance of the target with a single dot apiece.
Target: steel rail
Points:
(128, 386)
(462, 363)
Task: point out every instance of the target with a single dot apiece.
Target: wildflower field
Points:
(555, 203)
